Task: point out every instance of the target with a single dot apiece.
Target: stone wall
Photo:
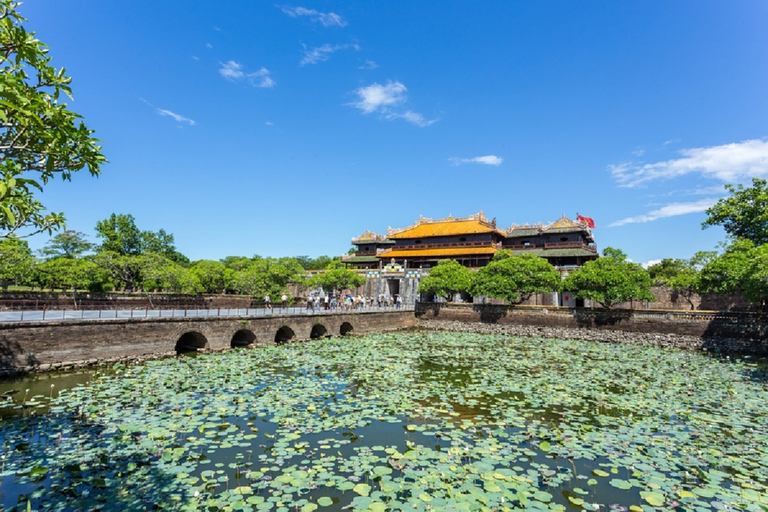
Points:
(44, 345)
(717, 331)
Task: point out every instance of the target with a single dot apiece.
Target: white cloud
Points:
(176, 117)
(167, 113)
(369, 64)
(728, 163)
(380, 97)
(650, 263)
(327, 19)
(233, 71)
(323, 53)
(384, 98)
(413, 118)
(670, 210)
(485, 160)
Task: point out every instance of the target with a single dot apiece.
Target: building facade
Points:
(472, 241)
(394, 263)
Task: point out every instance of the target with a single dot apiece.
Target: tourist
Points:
(399, 301)
(284, 300)
(267, 302)
(310, 303)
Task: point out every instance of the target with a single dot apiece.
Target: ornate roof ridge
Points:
(369, 236)
(562, 222)
(479, 217)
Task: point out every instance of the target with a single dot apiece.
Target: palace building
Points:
(472, 241)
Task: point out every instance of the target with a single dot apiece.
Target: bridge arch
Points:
(345, 328)
(242, 338)
(284, 334)
(318, 331)
(190, 341)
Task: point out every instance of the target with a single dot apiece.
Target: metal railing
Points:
(58, 315)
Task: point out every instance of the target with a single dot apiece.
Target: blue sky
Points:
(288, 128)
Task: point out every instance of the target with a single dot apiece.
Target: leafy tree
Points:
(681, 276)
(16, 262)
(610, 280)
(742, 269)
(119, 234)
(70, 273)
(446, 279)
(162, 243)
(122, 269)
(743, 215)
(39, 136)
(337, 279)
(161, 274)
(516, 278)
(666, 269)
(319, 263)
(264, 276)
(212, 275)
(67, 244)
(725, 274)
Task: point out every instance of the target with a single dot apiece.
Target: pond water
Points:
(397, 421)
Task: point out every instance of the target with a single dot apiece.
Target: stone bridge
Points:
(42, 346)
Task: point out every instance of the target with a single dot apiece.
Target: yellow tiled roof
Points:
(446, 228)
(426, 253)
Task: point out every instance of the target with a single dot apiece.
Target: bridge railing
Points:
(43, 315)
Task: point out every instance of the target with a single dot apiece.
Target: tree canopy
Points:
(39, 136)
(446, 279)
(516, 278)
(743, 215)
(610, 280)
(67, 244)
(337, 279)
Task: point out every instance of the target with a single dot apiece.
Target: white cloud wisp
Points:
(173, 115)
(383, 98)
(670, 210)
(323, 53)
(327, 19)
(485, 160)
(233, 71)
(728, 163)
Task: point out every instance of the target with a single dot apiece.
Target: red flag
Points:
(589, 221)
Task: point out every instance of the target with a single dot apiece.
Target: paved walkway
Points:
(111, 314)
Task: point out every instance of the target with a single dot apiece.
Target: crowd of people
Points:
(348, 302)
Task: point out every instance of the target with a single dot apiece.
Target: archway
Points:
(243, 338)
(345, 329)
(190, 342)
(318, 331)
(284, 334)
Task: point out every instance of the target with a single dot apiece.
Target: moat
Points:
(416, 420)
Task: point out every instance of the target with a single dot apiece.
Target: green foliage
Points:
(162, 243)
(516, 278)
(119, 234)
(666, 269)
(681, 276)
(162, 274)
(123, 270)
(337, 279)
(39, 136)
(212, 275)
(16, 262)
(67, 244)
(741, 270)
(743, 215)
(319, 263)
(70, 273)
(446, 279)
(610, 280)
(263, 276)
